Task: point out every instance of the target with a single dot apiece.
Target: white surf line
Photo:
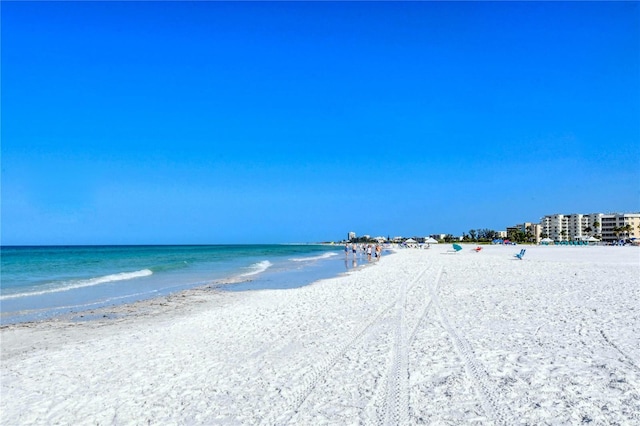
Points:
(390, 402)
(484, 389)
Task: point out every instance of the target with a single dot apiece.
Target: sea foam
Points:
(257, 268)
(71, 285)
(312, 258)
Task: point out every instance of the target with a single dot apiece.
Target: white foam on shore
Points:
(313, 258)
(419, 338)
(257, 268)
(72, 285)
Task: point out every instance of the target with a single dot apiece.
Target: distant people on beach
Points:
(369, 250)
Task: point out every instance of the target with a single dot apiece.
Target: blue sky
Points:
(212, 122)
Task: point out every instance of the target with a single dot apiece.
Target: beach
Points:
(42, 282)
(421, 336)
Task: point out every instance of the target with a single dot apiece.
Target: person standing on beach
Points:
(346, 250)
(354, 249)
(378, 251)
(369, 252)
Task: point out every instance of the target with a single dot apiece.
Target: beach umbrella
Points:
(410, 241)
(457, 247)
(431, 241)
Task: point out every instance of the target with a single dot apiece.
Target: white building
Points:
(571, 227)
(532, 229)
(351, 236)
(620, 225)
(579, 227)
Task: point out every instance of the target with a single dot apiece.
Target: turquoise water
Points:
(41, 282)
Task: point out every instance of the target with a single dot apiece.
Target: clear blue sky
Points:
(211, 122)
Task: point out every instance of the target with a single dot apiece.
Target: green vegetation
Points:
(479, 236)
(363, 240)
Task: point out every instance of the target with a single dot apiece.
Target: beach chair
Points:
(456, 248)
(521, 254)
(477, 249)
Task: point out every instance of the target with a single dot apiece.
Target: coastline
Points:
(41, 283)
(482, 337)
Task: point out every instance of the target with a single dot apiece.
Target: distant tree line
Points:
(516, 235)
(474, 235)
(479, 235)
(363, 240)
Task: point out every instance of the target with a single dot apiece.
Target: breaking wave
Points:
(308, 259)
(75, 284)
(257, 268)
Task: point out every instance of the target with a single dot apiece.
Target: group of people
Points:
(368, 249)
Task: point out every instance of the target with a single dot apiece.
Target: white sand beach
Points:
(419, 337)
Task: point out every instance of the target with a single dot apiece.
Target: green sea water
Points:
(41, 282)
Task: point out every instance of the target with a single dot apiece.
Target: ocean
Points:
(38, 283)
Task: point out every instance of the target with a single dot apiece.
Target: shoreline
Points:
(160, 308)
(154, 277)
(417, 337)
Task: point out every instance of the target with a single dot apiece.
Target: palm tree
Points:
(529, 234)
(617, 231)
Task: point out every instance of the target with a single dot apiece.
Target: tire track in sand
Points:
(297, 398)
(485, 390)
(390, 403)
(625, 356)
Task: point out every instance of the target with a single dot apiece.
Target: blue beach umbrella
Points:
(457, 247)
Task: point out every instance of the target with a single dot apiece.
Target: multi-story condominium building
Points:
(572, 227)
(351, 236)
(620, 225)
(533, 229)
(555, 226)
